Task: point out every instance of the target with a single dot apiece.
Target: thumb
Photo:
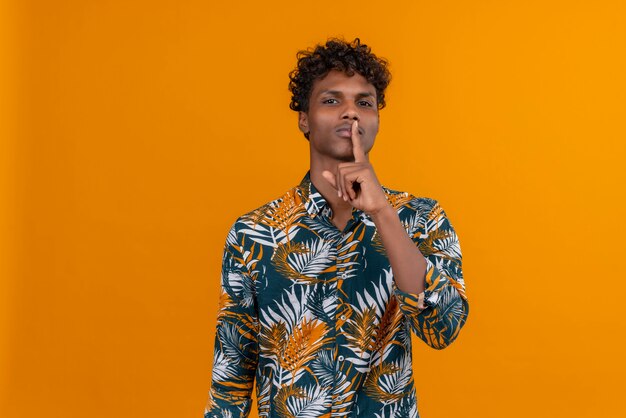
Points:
(330, 177)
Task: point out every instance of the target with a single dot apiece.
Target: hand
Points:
(356, 182)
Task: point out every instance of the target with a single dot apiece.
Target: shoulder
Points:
(406, 202)
(278, 210)
(418, 213)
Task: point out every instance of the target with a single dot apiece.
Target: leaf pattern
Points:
(314, 314)
(301, 262)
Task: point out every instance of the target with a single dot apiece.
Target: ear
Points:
(303, 123)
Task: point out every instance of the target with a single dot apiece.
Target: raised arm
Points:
(439, 312)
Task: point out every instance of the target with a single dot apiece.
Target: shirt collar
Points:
(315, 203)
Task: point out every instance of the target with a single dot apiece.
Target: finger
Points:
(352, 183)
(330, 177)
(351, 186)
(357, 145)
(341, 184)
(347, 185)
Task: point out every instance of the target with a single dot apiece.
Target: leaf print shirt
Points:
(314, 315)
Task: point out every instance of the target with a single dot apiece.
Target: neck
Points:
(340, 207)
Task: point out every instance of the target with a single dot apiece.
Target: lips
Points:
(345, 131)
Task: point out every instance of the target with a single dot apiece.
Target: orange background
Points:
(135, 132)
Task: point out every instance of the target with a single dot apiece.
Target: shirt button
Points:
(343, 317)
(340, 358)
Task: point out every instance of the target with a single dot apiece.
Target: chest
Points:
(323, 266)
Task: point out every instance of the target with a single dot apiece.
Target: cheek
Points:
(316, 122)
(371, 135)
(373, 131)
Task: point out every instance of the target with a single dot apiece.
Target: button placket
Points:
(340, 314)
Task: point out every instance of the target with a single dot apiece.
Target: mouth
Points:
(345, 131)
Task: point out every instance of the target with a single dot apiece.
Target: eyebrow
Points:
(338, 93)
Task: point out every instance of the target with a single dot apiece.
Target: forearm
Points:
(407, 263)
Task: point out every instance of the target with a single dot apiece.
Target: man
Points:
(321, 287)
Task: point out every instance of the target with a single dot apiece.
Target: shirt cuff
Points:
(434, 281)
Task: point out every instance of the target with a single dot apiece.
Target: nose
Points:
(350, 112)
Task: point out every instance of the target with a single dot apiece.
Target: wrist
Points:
(383, 214)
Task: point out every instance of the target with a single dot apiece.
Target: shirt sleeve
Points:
(437, 314)
(236, 347)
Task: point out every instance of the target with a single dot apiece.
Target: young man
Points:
(322, 287)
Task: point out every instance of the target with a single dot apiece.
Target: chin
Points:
(344, 155)
(346, 158)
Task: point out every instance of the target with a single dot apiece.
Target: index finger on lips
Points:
(357, 146)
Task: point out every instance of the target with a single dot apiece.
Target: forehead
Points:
(338, 81)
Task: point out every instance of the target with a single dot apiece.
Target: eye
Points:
(365, 103)
(330, 101)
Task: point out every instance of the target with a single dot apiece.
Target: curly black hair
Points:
(336, 54)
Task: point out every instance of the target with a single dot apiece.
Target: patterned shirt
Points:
(313, 313)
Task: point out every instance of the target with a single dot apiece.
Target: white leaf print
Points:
(222, 367)
(312, 405)
(314, 261)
